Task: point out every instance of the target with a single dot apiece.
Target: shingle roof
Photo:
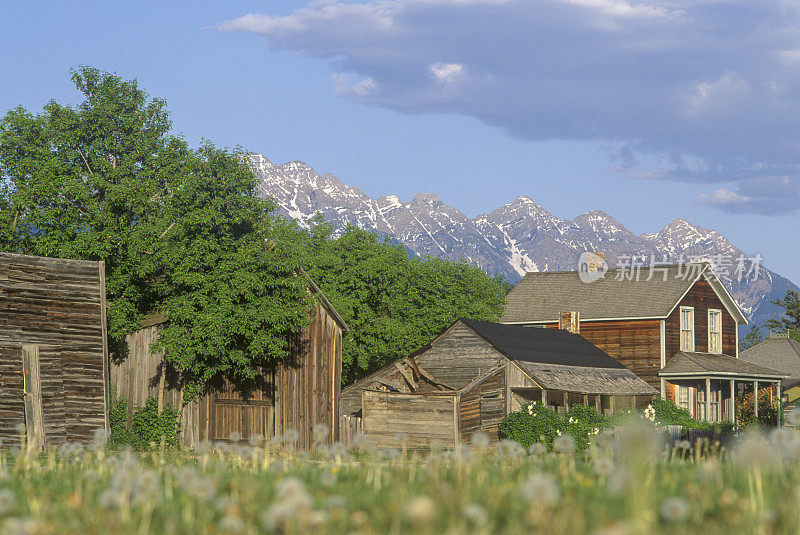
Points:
(686, 363)
(541, 297)
(543, 346)
(782, 354)
(606, 381)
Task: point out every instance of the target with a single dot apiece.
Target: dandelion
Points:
(235, 436)
(327, 479)
(22, 526)
(7, 501)
(480, 439)
(335, 502)
(787, 442)
(99, 439)
(674, 509)
(231, 524)
(291, 436)
(420, 510)
(684, 445)
(564, 443)
(755, 452)
(603, 466)
(618, 482)
(255, 441)
(475, 514)
(360, 442)
(321, 432)
(510, 449)
(537, 449)
(542, 489)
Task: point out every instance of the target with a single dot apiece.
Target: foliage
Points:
(767, 409)
(392, 302)
(752, 338)
(667, 413)
(146, 428)
(535, 423)
(180, 230)
(790, 322)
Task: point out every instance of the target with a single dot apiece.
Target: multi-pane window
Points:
(713, 401)
(701, 404)
(714, 331)
(683, 397)
(687, 328)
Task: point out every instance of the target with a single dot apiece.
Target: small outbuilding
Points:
(294, 395)
(53, 350)
(780, 352)
(476, 372)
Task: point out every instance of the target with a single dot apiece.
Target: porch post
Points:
(566, 401)
(708, 399)
(544, 397)
(733, 402)
(778, 394)
(755, 397)
(598, 400)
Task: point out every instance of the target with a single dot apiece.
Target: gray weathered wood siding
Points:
(396, 419)
(483, 406)
(297, 394)
(56, 306)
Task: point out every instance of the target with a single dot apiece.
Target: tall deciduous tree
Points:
(180, 229)
(790, 322)
(394, 303)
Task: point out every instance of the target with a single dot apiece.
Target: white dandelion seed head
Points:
(603, 466)
(537, 449)
(291, 436)
(564, 443)
(420, 510)
(231, 524)
(7, 501)
(542, 489)
(480, 439)
(235, 436)
(321, 432)
(674, 509)
(475, 514)
(510, 449)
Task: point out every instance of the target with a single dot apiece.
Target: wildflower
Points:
(564, 443)
(360, 442)
(618, 482)
(475, 514)
(235, 436)
(255, 441)
(291, 490)
(683, 444)
(231, 524)
(7, 501)
(510, 449)
(22, 526)
(603, 466)
(755, 452)
(542, 489)
(530, 410)
(318, 518)
(291, 436)
(99, 439)
(420, 510)
(674, 509)
(109, 499)
(650, 413)
(537, 448)
(327, 479)
(480, 439)
(787, 442)
(321, 432)
(335, 502)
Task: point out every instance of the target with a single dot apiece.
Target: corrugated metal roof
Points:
(782, 354)
(686, 363)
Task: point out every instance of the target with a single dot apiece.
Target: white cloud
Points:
(715, 83)
(723, 197)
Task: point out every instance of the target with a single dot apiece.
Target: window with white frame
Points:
(714, 331)
(714, 402)
(700, 411)
(683, 397)
(687, 328)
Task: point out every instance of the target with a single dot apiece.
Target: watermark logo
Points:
(592, 267)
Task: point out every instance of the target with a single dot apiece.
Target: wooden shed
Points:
(296, 395)
(53, 349)
(476, 372)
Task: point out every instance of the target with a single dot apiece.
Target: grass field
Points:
(629, 483)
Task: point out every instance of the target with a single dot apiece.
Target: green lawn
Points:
(632, 483)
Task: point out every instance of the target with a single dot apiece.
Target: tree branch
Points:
(85, 161)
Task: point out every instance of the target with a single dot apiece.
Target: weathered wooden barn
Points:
(675, 326)
(53, 352)
(297, 394)
(474, 373)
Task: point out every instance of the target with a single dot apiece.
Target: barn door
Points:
(229, 412)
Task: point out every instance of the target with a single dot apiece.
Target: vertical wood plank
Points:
(34, 417)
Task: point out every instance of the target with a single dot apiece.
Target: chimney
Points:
(595, 261)
(570, 321)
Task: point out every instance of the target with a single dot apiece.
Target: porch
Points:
(708, 384)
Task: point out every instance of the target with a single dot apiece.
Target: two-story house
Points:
(674, 326)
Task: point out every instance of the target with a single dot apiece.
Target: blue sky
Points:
(650, 111)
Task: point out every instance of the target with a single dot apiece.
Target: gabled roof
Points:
(541, 297)
(782, 354)
(689, 364)
(542, 346)
(605, 381)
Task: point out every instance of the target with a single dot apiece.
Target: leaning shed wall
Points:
(53, 349)
(482, 406)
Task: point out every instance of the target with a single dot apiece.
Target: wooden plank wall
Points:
(701, 297)
(395, 419)
(635, 343)
(58, 305)
(483, 407)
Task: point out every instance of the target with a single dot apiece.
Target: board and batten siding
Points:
(52, 334)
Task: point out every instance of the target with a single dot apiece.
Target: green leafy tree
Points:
(752, 338)
(180, 230)
(790, 322)
(393, 303)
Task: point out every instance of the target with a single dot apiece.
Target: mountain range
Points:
(513, 239)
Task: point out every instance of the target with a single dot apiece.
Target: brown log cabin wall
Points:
(635, 343)
(58, 306)
(296, 395)
(702, 297)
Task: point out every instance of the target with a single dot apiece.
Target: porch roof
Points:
(687, 364)
(586, 380)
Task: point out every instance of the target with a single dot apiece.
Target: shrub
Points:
(667, 413)
(767, 411)
(536, 423)
(146, 425)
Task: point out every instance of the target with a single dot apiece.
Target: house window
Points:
(701, 404)
(713, 403)
(714, 331)
(687, 328)
(714, 399)
(683, 397)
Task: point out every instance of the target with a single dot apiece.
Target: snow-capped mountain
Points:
(518, 237)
